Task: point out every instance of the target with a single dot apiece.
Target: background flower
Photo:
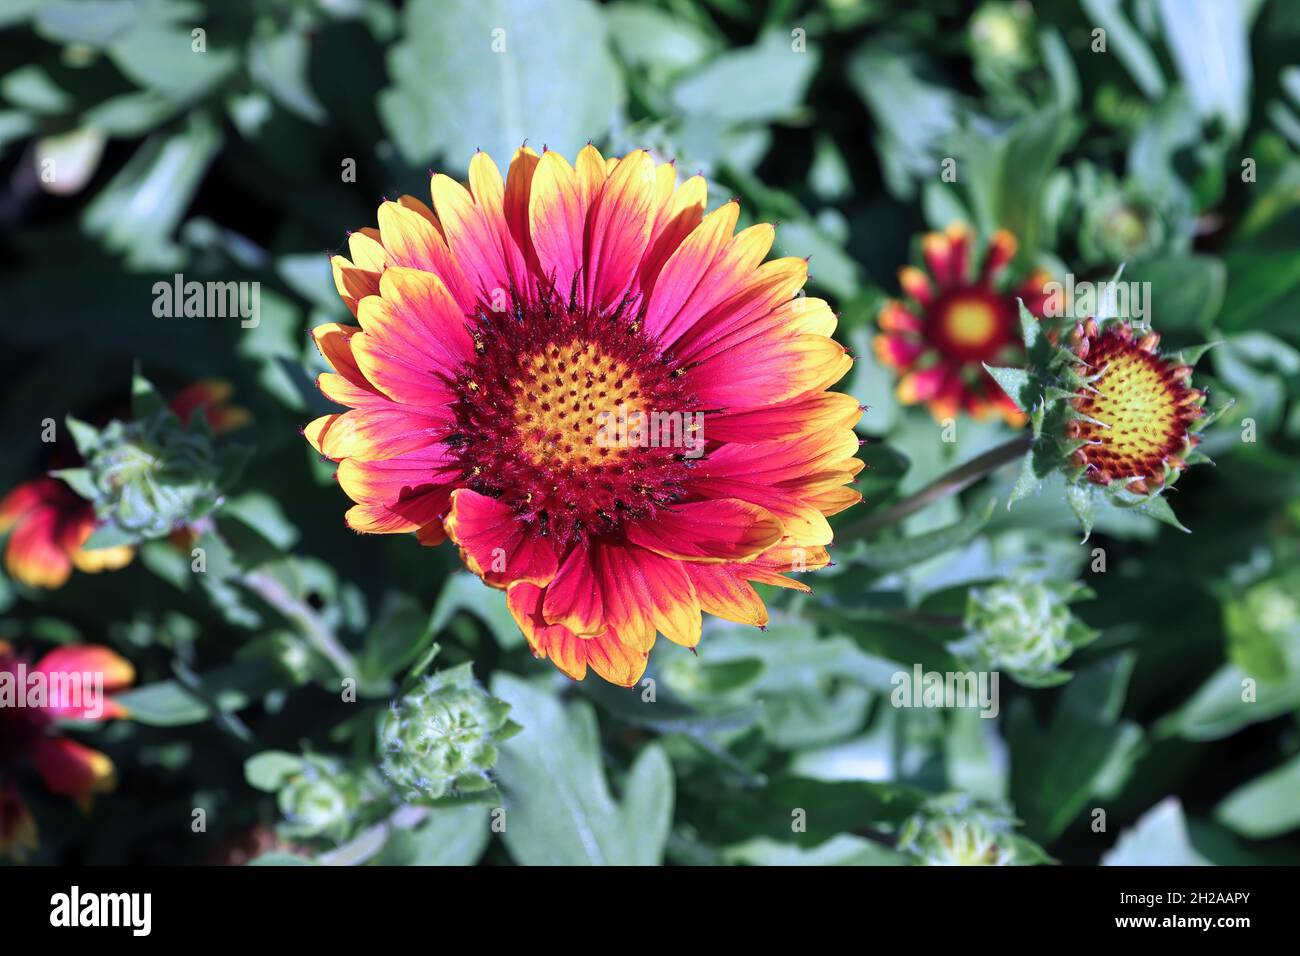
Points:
(957, 319)
(30, 735)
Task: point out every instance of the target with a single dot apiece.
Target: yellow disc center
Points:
(970, 323)
(572, 406)
(1137, 404)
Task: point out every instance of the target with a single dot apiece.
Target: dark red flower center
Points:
(562, 415)
(972, 325)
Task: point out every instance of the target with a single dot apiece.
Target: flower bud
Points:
(951, 831)
(1024, 627)
(315, 803)
(441, 738)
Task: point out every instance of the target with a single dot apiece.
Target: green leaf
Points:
(137, 212)
(281, 859)
(109, 535)
(170, 704)
(79, 480)
(1056, 770)
(1267, 806)
(1126, 44)
(92, 23)
(486, 74)
(559, 807)
(31, 89)
(648, 805)
(397, 637)
(844, 849)
(1186, 291)
(84, 436)
(1159, 838)
(914, 116)
(762, 83)
(454, 835)
(162, 57)
(145, 400)
(465, 592)
(1229, 700)
(279, 63)
(269, 770)
(656, 39)
(906, 552)
(1210, 44)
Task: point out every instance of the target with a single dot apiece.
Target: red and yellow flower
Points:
(50, 524)
(504, 330)
(1137, 411)
(30, 733)
(212, 397)
(953, 323)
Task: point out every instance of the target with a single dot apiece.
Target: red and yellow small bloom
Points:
(1137, 410)
(953, 323)
(502, 328)
(212, 397)
(50, 524)
(30, 733)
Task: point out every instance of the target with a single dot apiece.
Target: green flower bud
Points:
(953, 841)
(441, 738)
(950, 831)
(1024, 627)
(1001, 34)
(315, 802)
(1019, 627)
(149, 476)
(1262, 623)
(1119, 228)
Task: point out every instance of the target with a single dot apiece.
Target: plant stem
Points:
(961, 477)
(315, 630)
(371, 840)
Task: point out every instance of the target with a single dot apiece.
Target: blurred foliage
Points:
(236, 142)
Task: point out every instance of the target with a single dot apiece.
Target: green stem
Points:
(960, 478)
(370, 841)
(315, 630)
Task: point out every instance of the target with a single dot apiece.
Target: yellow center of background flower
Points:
(568, 411)
(970, 323)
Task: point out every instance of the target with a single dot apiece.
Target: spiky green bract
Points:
(440, 738)
(151, 475)
(1154, 443)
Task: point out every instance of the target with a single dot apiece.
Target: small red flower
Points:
(210, 395)
(50, 523)
(29, 728)
(953, 324)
